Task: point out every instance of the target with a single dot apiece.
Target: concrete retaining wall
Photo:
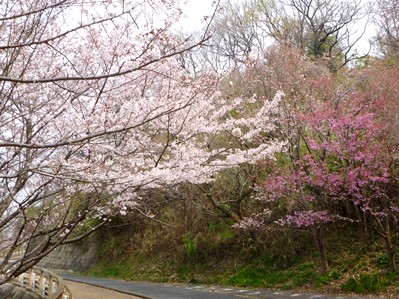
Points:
(76, 257)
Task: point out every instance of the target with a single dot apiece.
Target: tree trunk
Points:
(390, 249)
(391, 253)
(318, 233)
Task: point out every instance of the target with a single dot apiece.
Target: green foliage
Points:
(190, 245)
(222, 229)
(258, 277)
(383, 260)
(335, 275)
(121, 270)
(267, 276)
(366, 283)
(200, 248)
(234, 113)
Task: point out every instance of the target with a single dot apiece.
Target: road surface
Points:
(181, 291)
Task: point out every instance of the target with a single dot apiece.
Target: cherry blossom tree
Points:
(96, 109)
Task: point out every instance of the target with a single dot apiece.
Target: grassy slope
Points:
(216, 253)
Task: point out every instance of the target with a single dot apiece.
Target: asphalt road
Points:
(181, 291)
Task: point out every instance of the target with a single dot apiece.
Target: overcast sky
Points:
(195, 10)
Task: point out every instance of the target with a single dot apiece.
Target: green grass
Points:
(267, 276)
(122, 270)
(366, 283)
(262, 272)
(218, 254)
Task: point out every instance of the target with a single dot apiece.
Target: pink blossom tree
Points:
(342, 174)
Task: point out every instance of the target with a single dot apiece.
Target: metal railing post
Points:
(45, 284)
(42, 285)
(32, 279)
(21, 279)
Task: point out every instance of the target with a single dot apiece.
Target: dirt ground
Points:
(85, 291)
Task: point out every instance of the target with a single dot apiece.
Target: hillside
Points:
(199, 249)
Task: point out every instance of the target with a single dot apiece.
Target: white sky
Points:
(195, 10)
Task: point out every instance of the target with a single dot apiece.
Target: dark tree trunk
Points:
(389, 247)
(318, 233)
